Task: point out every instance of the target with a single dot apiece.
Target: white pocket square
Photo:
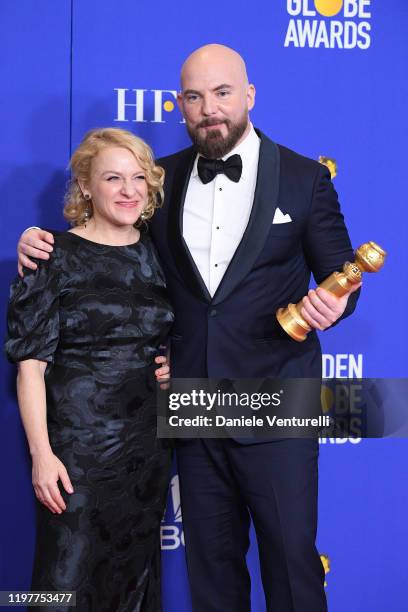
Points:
(279, 217)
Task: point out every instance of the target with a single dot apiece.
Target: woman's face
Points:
(117, 186)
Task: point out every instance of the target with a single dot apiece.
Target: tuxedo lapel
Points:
(260, 220)
(182, 256)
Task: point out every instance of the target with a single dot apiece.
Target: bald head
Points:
(219, 58)
(215, 99)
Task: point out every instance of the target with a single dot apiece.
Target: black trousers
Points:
(223, 484)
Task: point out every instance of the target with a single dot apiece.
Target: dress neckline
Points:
(110, 246)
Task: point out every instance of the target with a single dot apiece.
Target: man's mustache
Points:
(210, 122)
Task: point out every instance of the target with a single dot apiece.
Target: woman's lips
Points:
(127, 204)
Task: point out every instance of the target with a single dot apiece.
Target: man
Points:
(244, 223)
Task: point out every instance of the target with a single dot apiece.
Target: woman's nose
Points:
(128, 188)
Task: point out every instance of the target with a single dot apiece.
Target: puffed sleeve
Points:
(33, 314)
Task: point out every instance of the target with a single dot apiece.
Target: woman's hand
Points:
(47, 470)
(162, 373)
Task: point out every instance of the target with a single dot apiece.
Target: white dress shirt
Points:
(215, 215)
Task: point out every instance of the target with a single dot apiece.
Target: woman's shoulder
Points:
(63, 240)
(67, 244)
(146, 239)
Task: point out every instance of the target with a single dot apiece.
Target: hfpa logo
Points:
(171, 530)
(145, 105)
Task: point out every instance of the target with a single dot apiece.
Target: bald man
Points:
(244, 224)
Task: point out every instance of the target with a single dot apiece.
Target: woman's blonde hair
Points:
(76, 208)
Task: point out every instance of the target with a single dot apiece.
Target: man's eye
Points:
(222, 94)
(191, 98)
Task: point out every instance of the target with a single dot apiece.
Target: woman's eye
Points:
(140, 177)
(112, 178)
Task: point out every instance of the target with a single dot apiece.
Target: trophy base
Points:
(293, 323)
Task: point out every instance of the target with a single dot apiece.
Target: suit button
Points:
(213, 312)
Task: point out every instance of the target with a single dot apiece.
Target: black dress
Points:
(97, 314)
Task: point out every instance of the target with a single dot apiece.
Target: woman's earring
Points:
(87, 212)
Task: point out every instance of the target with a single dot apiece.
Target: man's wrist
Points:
(30, 228)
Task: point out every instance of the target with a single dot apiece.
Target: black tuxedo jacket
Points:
(235, 334)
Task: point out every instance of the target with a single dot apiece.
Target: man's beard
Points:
(214, 145)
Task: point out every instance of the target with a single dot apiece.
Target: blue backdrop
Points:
(330, 79)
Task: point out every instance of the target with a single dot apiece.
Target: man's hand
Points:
(162, 373)
(321, 309)
(33, 243)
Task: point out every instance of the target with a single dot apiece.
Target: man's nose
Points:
(209, 106)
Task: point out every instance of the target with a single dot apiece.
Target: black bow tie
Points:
(208, 168)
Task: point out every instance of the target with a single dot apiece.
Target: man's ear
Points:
(180, 102)
(251, 96)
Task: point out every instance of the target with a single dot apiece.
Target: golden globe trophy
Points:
(369, 258)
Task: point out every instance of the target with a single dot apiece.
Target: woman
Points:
(85, 329)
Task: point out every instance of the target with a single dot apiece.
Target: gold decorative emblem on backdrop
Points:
(330, 163)
(328, 8)
(326, 565)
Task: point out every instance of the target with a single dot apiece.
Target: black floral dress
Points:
(98, 314)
